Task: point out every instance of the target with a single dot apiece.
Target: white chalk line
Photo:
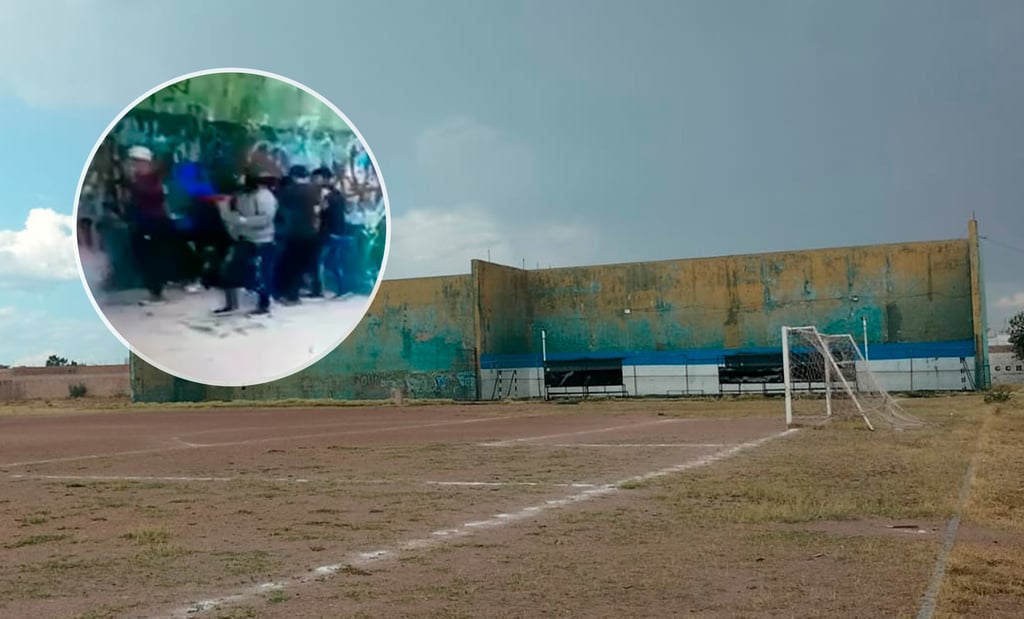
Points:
(134, 452)
(294, 480)
(530, 439)
(498, 484)
(640, 445)
(116, 478)
(182, 445)
(931, 595)
(466, 529)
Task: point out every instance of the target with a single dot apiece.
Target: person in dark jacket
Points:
(337, 238)
(152, 228)
(299, 202)
(321, 178)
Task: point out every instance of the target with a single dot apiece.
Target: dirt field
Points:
(601, 509)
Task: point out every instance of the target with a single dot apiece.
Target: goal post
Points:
(826, 376)
(787, 376)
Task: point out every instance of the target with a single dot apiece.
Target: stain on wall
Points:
(505, 308)
(912, 292)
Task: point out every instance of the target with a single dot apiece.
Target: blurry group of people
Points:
(283, 234)
(296, 233)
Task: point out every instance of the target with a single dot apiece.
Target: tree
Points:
(59, 362)
(1017, 335)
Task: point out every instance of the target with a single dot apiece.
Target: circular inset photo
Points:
(232, 227)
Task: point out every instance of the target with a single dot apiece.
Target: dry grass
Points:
(734, 539)
(106, 612)
(149, 536)
(840, 471)
(746, 537)
(32, 540)
(985, 576)
(997, 493)
(713, 542)
(983, 581)
(760, 509)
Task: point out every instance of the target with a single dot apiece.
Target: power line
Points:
(1001, 244)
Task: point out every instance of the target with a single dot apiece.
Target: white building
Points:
(1007, 368)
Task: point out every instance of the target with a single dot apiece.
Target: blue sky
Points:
(554, 134)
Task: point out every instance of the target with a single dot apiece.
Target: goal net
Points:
(826, 376)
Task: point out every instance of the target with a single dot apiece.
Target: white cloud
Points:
(443, 241)
(34, 359)
(439, 241)
(42, 250)
(1011, 302)
(32, 335)
(481, 199)
(461, 160)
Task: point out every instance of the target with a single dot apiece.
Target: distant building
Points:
(1007, 367)
(54, 383)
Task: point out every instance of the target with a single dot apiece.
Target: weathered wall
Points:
(41, 383)
(503, 301)
(422, 335)
(418, 336)
(918, 292)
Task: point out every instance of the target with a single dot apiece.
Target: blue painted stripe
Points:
(715, 356)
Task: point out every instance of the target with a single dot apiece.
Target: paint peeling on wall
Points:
(744, 301)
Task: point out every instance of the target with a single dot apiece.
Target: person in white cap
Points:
(151, 225)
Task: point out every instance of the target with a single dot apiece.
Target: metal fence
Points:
(695, 381)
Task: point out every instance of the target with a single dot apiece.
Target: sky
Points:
(553, 133)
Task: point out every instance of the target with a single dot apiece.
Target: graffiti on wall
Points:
(176, 139)
(459, 385)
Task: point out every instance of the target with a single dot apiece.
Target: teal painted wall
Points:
(909, 293)
(425, 335)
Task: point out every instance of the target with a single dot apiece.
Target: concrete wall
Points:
(909, 293)
(42, 383)
(418, 336)
(684, 316)
(504, 308)
(979, 314)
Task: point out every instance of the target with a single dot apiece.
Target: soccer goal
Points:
(826, 376)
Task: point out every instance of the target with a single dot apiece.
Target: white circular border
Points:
(88, 163)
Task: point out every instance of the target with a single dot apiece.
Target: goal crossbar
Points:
(833, 366)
